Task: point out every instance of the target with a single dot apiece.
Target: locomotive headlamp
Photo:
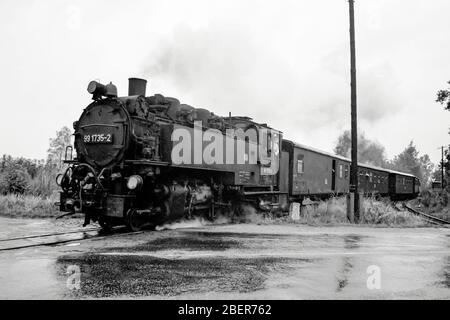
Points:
(98, 90)
(134, 182)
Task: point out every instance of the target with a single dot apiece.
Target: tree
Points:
(409, 161)
(443, 97)
(58, 146)
(446, 164)
(20, 175)
(5, 162)
(14, 179)
(437, 173)
(427, 168)
(17, 180)
(447, 168)
(369, 152)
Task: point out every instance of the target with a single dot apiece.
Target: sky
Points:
(285, 63)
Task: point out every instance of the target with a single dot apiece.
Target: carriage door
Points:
(333, 176)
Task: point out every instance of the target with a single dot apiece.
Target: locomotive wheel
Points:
(134, 221)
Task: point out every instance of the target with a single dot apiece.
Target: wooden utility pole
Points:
(442, 168)
(354, 195)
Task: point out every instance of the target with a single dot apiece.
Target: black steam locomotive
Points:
(147, 160)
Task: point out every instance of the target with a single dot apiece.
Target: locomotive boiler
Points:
(144, 160)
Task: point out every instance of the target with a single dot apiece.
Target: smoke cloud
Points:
(226, 68)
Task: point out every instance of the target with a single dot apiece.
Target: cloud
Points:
(381, 93)
(226, 68)
(379, 90)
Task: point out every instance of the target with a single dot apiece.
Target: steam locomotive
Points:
(145, 160)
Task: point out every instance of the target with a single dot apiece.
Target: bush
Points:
(434, 202)
(434, 199)
(23, 176)
(3, 184)
(15, 180)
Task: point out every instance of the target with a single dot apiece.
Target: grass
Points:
(330, 212)
(28, 206)
(382, 212)
(375, 213)
(434, 202)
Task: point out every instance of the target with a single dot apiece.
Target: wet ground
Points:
(244, 261)
(18, 227)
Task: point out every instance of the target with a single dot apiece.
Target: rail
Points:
(56, 238)
(429, 218)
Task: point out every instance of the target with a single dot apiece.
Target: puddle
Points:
(116, 275)
(343, 273)
(29, 279)
(73, 244)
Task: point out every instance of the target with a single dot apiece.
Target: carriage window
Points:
(370, 177)
(300, 168)
(346, 171)
(403, 180)
(340, 170)
(300, 164)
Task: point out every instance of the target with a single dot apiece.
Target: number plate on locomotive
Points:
(98, 138)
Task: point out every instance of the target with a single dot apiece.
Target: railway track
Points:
(427, 217)
(53, 239)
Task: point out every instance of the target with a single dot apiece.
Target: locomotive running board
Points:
(254, 193)
(148, 162)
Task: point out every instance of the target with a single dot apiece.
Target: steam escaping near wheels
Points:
(184, 223)
(247, 214)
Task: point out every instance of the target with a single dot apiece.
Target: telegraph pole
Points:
(354, 195)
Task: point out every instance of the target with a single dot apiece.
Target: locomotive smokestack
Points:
(136, 87)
